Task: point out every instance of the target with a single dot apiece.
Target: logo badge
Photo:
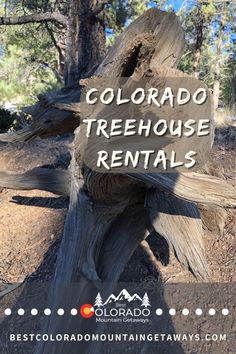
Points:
(87, 311)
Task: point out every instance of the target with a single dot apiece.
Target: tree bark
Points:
(218, 58)
(48, 121)
(199, 41)
(85, 43)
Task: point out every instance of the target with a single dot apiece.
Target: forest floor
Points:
(31, 222)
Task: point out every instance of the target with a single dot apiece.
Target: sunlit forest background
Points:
(32, 53)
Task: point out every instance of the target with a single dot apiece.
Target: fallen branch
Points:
(10, 288)
(50, 180)
(193, 187)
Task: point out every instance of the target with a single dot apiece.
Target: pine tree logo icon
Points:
(145, 300)
(98, 301)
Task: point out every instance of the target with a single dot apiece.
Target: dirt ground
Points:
(31, 222)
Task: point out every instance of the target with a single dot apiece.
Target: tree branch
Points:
(34, 18)
(50, 32)
(52, 180)
(59, 50)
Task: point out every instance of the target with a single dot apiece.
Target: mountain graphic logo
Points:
(124, 296)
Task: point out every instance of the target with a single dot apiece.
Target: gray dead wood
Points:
(179, 222)
(50, 122)
(215, 192)
(195, 187)
(10, 288)
(50, 180)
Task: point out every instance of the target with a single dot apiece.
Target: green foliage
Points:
(28, 63)
(212, 15)
(228, 74)
(208, 8)
(22, 79)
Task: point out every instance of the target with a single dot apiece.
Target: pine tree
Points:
(209, 32)
(98, 300)
(74, 27)
(145, 301)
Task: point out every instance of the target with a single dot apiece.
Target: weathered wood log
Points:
(50, 180)
(213, 218)
(50, 122)
(125, 234)
(186, 186)
(9, 288)
(193, 187)
(55, 113)
(96, 250)
(179, 222)
(155, 38)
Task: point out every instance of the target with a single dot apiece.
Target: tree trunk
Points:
(199, 41)
(85, 43)
(196, 63)
(216, 87)
(218, 59)
(234, 90)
